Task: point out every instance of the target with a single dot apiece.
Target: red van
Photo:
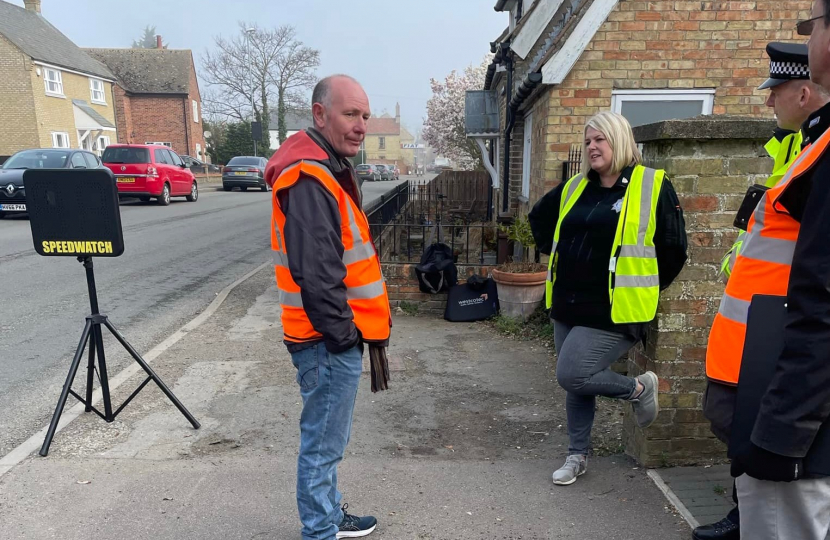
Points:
(150, 171)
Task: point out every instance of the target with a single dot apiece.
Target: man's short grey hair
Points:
(322, 90)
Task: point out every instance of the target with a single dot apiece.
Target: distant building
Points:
(157, 97)
(385, 137)
(295, 121)
(52, 93)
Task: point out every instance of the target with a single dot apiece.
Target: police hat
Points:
(787, 62)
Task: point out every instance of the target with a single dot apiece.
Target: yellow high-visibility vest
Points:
(783, 153)
(633, 278)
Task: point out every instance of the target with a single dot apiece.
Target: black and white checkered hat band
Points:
(789, 70)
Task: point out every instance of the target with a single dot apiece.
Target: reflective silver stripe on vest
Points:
(572, 188)
(280, 259)
(734, 309)
(291, 299)
(647, 190)
(279, 236)
(762, 248)
(360, 252)
(638, 251)
(355, 230)
(637, 281)
(365, 292)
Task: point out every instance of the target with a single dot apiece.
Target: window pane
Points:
(161, 157)
(91, 162)
(78, 160)
(639, 113)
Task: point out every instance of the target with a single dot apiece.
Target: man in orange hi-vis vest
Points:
(783, 495)
(331, 292)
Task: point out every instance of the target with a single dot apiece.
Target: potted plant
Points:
(521, 284)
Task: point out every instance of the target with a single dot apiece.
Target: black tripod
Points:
(92, 334)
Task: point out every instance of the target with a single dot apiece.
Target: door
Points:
(528, 146)
(165, 169)
(181, 178)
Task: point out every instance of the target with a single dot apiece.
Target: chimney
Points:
(397, 113)
(158, 42)
(32, 5)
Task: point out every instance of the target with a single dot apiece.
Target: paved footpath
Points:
(462, 447)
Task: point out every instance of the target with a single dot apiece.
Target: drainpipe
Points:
(508, 130)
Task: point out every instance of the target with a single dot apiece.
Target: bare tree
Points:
(252, 69)
(295, 72)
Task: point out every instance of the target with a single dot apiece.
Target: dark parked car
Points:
(12, 194)
(244, 172)
(367, 172)
(385, 173)
(198, 167)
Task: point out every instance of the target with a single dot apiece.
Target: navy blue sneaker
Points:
(356, 527)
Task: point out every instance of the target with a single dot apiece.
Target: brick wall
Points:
(402, 285)
(668, 44)
(18, 125)
(711, 162)
(160, 119)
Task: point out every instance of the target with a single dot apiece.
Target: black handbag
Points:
(476, 300)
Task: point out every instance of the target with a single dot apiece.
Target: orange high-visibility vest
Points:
(761, 267)
(365, 287)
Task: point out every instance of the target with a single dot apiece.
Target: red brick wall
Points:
(669, 44)
(402, 285)
(158, 118)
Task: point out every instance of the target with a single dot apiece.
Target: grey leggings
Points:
(582, 369)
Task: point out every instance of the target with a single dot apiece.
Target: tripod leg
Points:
(102, 371)
(73, 369)
(90, 372)
(153, 375)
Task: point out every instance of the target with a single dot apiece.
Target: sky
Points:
(392, 47)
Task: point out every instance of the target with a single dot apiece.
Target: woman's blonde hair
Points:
(618, 132)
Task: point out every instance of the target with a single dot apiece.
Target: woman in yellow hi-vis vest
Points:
(616, 237)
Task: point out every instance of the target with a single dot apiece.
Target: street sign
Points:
(256, 131)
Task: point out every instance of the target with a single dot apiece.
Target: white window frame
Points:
(704, 95)
(381, 143)
(199, 152)
(93, 90)
(167, 144)
(526, 155)
(103, 141)
(56, 135)
(58, 82)
(195, 111)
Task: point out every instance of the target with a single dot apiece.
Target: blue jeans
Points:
(328, 385)
(584, 357)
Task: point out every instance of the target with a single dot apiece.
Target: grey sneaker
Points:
(574, 466)
(646, 406)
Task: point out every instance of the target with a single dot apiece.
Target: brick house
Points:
(663, 59)
(157, 98)
(385, 137)
(52, 94)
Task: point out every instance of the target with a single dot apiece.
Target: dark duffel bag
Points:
(476, 300)
(437, 271)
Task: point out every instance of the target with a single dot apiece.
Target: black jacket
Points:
(315, 251)
(797, 401)
(580, 295)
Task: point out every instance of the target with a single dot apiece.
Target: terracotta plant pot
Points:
(520, 294)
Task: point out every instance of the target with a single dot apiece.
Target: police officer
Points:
(794, 99)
